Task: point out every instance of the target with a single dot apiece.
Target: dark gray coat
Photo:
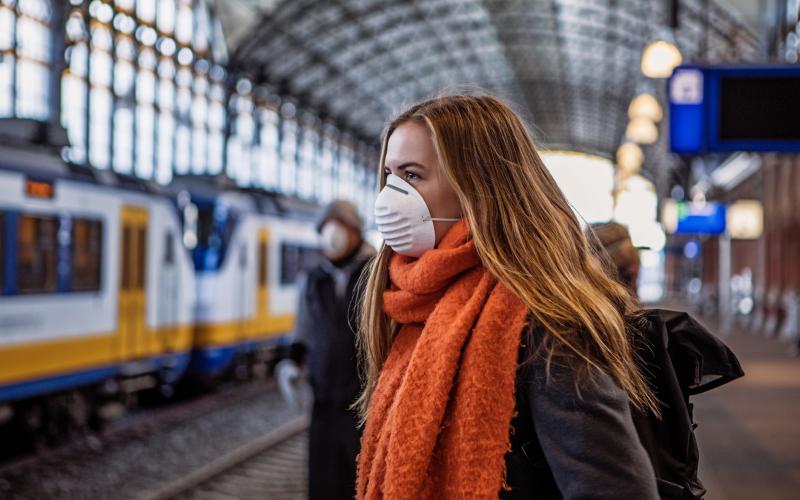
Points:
(325, 330)
(574, 441)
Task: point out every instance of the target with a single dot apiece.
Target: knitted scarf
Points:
(439, 418)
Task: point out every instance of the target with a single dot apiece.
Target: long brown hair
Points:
(525, 234)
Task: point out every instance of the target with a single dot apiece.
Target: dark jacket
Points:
(325, 330)
(574, 441)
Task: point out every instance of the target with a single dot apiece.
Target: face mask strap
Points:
(439, 219)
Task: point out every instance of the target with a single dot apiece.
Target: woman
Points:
(496, 357)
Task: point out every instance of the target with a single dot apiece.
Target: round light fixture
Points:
(645, 106)
(642, 131)
(630, 157)
(659, 58)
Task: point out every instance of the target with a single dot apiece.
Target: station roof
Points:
(569, 66)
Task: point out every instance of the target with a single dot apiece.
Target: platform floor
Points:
(749, 430)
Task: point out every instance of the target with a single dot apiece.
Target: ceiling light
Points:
(642, 131)
(659, 58)
(630, 157)
(645, 106)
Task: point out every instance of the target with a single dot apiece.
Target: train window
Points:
(310, 258)
(142, 250)
(290, 263)
(296, 259)
(37, 254)
(205, 224)
(215, 225)
(169, 251)
(125, 269)
(2, 252)
(87, 245)
(262, 263)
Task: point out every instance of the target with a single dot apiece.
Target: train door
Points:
(262, 293)
(133, 270)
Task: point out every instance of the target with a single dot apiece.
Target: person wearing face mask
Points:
(496, 357)
(324, 341)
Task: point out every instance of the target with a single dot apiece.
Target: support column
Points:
(776, 249)
(709, 295)
(790, 329)
(766, 281)
(759, 268)
(724, 287)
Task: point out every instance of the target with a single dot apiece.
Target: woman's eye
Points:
(410, 176)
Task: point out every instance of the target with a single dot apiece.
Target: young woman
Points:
(496, 356)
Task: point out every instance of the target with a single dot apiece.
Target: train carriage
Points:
(96, 285)
(249, 248)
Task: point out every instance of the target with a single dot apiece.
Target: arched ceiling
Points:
(569, 66)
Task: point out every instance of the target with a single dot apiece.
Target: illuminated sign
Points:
(746, 219)
(734, 108)
(701, 218)
(39, 189)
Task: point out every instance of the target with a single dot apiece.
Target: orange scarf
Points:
(439, 418)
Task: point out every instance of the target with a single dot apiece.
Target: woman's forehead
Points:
(409, 142)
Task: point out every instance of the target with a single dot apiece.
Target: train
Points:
(111, 285)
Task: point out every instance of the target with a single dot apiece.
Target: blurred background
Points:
(163, 164)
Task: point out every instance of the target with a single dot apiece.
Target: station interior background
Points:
(287, 99)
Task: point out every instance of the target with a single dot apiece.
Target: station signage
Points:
(734, 108)
(681, 217)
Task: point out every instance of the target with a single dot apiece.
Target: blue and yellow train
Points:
(110, 284)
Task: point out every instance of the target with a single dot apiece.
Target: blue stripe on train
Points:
(171, 366)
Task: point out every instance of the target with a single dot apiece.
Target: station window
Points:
(87, 256)
(327, 167)
(308, 163)
(37, 254)
(288, 165)
(345, 176)
(269, 139)
(25, 44)
(240, 147)
(141, 92)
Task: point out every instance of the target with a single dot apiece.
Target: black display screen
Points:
(763, 108)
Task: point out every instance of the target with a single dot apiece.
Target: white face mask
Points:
(403, 218)
(333, 239)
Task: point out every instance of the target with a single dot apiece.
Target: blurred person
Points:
(611, 240)
(324, 340)
(496, 356)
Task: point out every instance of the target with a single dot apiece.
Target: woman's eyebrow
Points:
(407, 164)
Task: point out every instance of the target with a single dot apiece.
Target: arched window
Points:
(327, 165)
(288, 150)
(345, 182)
(241, 140)
(141, 93)
(269, 160)
(308, 166)
(25, 58)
